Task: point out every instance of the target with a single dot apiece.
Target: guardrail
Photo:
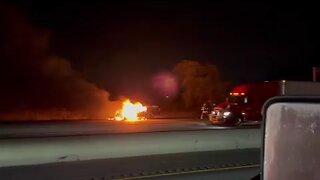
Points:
(27, 151)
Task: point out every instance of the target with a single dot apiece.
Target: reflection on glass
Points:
(292, 145)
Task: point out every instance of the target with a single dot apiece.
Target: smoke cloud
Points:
(37, 85)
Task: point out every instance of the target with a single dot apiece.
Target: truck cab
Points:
(234, 111)
(244, 104)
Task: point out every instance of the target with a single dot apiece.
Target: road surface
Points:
(229, 164)
(85, 127)
(180, 148)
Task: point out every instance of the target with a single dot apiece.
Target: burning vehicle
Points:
(135, 111)
(131, 111)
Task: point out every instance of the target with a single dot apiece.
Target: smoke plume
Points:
(38, 85)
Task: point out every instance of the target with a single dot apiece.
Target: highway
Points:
(104, 149)
(229, 164)
(87, 127)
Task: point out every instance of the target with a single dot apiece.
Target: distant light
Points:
(243, 113)
(236, 94)
(283, 81)
(242, 93)
(167, 97)
(266, 81)
(230, 93)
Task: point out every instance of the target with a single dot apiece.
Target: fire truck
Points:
(244, 103)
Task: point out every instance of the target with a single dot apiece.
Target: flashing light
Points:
(226, 114)
(237, 94)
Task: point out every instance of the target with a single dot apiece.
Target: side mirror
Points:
(291, 138)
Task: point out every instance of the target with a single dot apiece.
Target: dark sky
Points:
(120, 46)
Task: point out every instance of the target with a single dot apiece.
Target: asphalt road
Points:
(86, 127)
(230, 174)
(218, 164)
(228, 164)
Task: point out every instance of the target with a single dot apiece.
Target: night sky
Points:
(121, 46)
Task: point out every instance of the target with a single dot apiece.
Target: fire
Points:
(130, 111)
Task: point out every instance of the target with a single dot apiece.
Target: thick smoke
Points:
(36, 85)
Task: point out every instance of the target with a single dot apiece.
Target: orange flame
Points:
(130, 111)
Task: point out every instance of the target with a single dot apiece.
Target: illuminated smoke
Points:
(166, 84)
(36, 85)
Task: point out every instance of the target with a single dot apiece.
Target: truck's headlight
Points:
(226, 113)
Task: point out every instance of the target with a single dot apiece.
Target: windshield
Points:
(138, 68)
(119, 60)
(237, 99)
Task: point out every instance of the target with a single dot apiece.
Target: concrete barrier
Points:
(26, 151)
